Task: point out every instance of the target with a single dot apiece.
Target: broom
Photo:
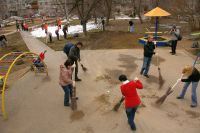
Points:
(83, 68)
(160, 78)
(160, 100)
(117, 105)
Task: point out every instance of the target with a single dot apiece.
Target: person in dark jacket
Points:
(67, 48)
(148, 53)
(65, 30)
(132, 100)
(193, 77)
(74, 55)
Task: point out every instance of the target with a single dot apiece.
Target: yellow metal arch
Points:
(5, 116)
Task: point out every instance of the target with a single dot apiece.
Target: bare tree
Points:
(85, 8)
(137, 5)
(108, 10)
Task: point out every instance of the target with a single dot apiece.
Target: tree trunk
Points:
(95, 17)
(109, 10)
(139, 10)
(84, 27)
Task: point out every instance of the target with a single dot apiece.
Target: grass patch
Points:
(100, 40)
(15, 43)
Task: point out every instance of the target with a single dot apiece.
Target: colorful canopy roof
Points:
(157, 12)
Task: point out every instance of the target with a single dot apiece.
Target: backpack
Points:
(179, 37)
(67, 48)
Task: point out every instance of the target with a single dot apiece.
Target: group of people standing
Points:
(21, 25)
(59, 27)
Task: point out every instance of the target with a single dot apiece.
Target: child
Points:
(38, 63)
(65, 80)
(132, 100)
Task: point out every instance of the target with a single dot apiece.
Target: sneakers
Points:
(147, 76)
(179, 97)
(193, 106)
(77, 79)
(67, 105)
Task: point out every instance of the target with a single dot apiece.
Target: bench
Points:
(195, 36)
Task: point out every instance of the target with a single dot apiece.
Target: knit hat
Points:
(187, 70)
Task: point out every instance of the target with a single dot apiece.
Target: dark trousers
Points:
(50, 38)
(76, 69)
(174, 44)
(130, 112)
(68, 93)
(57, 34)
(65, 34)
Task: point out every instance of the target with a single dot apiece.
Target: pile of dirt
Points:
(77, 115)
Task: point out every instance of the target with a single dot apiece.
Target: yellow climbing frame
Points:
(24, 54)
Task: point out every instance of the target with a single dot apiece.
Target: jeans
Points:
(146, 65)
(194, 95)
(130, 112)
(76, 69)
(174, 44)
(68, 92)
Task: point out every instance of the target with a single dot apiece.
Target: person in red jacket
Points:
(132, 100)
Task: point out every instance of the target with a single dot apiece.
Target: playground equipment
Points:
(7, 62)
(160, 40)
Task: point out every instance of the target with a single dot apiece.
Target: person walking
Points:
(131, 26)
(65, 30)
(132, 100)
(103, 23)
(74, 55)
(148, 53)
(59, 23)
(17, 26)
(57, 33)
(65, 81)
(193, 77)
(175, 33)
(22, 25)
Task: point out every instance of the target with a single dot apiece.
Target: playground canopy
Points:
(157, 12)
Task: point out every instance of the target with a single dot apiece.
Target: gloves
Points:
(178, 80)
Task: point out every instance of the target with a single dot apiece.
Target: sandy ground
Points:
(35, 103)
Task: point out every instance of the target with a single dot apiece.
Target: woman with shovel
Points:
(193, 77)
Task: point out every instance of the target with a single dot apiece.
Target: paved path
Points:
(35, 103)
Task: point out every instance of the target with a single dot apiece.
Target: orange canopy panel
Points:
(157, 12)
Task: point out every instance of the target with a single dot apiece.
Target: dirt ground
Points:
(35, 102)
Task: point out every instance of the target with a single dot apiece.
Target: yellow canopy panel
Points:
(157, 12)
